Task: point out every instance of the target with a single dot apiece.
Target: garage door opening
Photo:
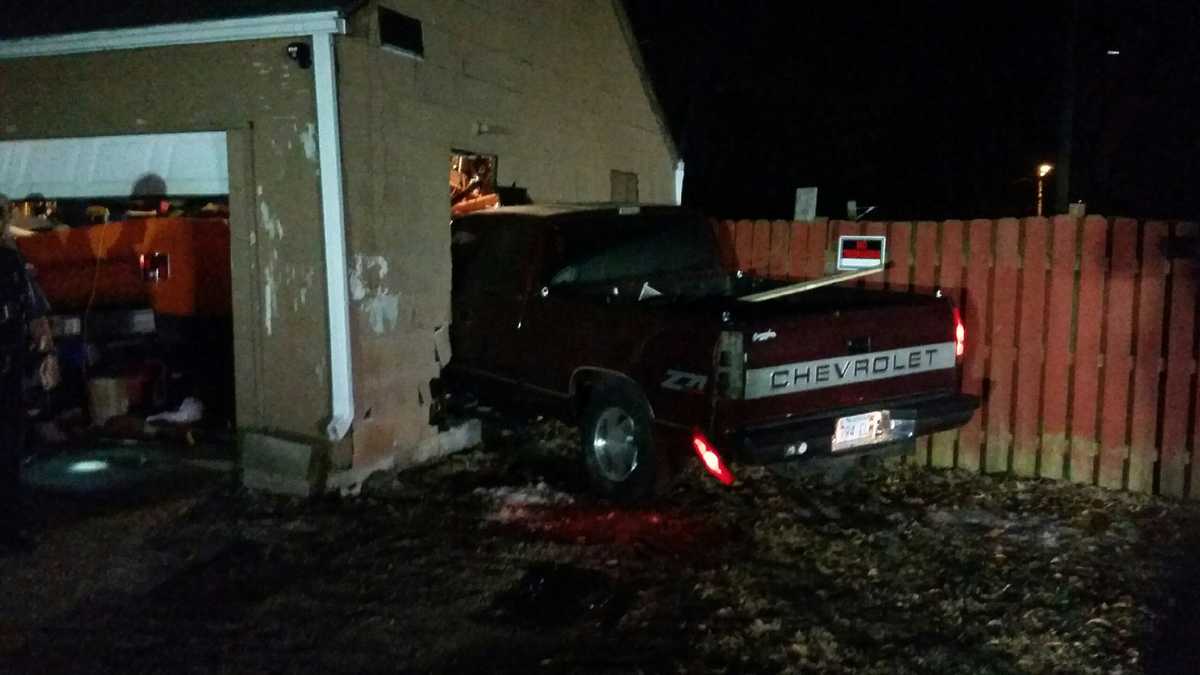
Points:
(129, 238)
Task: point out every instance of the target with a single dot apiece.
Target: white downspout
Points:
(333, 216)
(679, 170)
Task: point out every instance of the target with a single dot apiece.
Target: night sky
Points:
(929, 109)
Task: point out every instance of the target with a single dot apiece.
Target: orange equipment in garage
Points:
(176, 266)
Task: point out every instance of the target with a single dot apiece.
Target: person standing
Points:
(24, 328)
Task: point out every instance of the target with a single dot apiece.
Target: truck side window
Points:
(500, 262)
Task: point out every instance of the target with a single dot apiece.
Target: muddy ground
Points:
(493, 561)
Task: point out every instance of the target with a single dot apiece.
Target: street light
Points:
(1043, 170)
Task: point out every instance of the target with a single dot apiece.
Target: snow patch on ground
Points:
(1029, 528)
(510, 504)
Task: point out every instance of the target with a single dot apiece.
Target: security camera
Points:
(300, 53)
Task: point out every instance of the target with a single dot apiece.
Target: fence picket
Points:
(1031, 333)
(976, 303)
(1179, 390)
(900, 251)
(1003, 346)
(743, 244)
(781, 246)
(760, 255)
(725, 233)
(924, 273)
(798, 249)
(1195, 440)
(1089, 319)
(877, 229)
(1118, 362)
(926, 258)
(846, 228)
(1057, 378)
(1147, 359)
(950, 279)
(818, 233)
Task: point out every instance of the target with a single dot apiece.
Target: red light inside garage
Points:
(155, 266)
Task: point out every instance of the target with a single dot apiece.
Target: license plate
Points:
(858, 430)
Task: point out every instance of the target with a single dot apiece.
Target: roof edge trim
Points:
(165, 35)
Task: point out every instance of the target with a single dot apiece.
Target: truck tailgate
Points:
(841, 348)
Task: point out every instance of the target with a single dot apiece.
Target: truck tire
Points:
(617, 443)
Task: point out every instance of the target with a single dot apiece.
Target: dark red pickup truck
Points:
(622, 320)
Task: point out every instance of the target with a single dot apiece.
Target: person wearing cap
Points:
(24, 328)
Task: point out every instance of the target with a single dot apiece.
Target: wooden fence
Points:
(1081, 337)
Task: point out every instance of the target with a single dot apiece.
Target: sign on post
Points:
(861, 252)
(806, 204)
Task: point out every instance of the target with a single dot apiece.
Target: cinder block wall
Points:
(561, 95)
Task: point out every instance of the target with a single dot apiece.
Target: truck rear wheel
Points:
(617, 444)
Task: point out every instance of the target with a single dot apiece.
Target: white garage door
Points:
(110, 166)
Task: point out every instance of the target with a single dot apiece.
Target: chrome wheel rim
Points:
(614, 444)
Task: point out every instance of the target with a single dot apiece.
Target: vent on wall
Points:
(400, 32)
(624, 187)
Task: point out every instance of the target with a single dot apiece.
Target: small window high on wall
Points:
(400, 32)
(472, 182)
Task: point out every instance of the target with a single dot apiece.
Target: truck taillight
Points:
(960, 334)
(710, 458)
(731, 365)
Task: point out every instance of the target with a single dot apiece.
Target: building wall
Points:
(252, 90)
(559, 91)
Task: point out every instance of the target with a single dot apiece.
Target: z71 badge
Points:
(679, 380)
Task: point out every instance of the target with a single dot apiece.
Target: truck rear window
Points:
(623, 252)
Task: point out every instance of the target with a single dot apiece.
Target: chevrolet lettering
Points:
(823, 373)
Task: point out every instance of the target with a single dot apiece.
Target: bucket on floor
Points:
(109, 397)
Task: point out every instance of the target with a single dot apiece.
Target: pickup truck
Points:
(623, 321)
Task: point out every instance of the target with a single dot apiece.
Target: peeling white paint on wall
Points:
(304, 282)
(273, 275)
(308, 138)
(383, 311)
(368, 288)
(309, 277)
(270, 293)
(366, 269)
(269, 221)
